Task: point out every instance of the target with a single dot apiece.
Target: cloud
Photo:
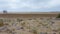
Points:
(40, 5)
(29, 5)
(53, 3)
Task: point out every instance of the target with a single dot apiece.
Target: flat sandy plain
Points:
(29, 23)
(30, 14)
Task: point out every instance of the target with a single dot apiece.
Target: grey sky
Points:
(30, 5)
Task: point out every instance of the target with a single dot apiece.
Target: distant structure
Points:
(4, 11)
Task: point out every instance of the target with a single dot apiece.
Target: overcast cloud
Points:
(30, 5)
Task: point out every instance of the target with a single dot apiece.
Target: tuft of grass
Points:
(23, 24)
(34, 31)
(58, 16)
(1, 23)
